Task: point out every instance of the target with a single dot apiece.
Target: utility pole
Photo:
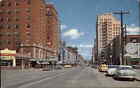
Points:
(125, 34)
(121, 13)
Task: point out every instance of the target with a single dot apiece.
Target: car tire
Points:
(132, 79)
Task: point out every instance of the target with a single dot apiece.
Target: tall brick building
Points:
(107, 28)
(53, 35)
(30, 27)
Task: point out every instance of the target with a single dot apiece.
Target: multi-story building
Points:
(53, 35)
(30, 27)
(107, 28)
(69, 55)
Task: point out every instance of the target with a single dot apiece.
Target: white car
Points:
(126, 72)
(111, 70)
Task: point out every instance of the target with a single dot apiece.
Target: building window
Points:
(48, 13)
(8, 12)
(9, 4)
(8, 34)
(48, 37)
(16, 4)
(28, 33)
(8, 26)
(28, 26)
(2, 4)
(29, 2)
(8, 42)
(16, 26)
(1, 11)
(17, 19)
(16, 34)
(29, 18)
(1, 27)
(1, 34)
(16, 11)
(1, 19)
(0, 43)
(28, 10)
(8, 19)
(17, 43)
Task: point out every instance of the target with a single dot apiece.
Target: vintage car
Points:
(125, 72)
(102, 68)
(67, 66)
(111, 70)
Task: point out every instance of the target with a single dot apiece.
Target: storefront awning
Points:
(134, 59)
(38, 59)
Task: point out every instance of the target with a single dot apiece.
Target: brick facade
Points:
(24, 27)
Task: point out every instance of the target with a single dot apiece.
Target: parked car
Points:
(67, 66)
(102, 68)
(111, 70)
(125, 72)
(58, 67)
(46, 69)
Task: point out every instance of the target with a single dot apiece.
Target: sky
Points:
(78, 20)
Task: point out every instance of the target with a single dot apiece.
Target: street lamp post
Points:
(121, 13)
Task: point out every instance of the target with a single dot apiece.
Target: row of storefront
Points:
(9, 58)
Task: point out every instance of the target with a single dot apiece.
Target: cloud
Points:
(133, 30)
(82, 45)
(63, 26)
(73, 33)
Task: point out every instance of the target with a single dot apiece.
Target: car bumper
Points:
(110, 74)
(131, 77)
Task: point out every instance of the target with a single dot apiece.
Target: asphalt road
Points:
(70, 78)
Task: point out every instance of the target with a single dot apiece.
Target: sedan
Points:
(111, 70)
(125, 72)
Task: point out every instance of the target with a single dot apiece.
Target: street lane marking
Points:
(45, 79)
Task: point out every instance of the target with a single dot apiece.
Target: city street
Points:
(68, 78)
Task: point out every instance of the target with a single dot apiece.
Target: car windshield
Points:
(112, 66)
(125, 68)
